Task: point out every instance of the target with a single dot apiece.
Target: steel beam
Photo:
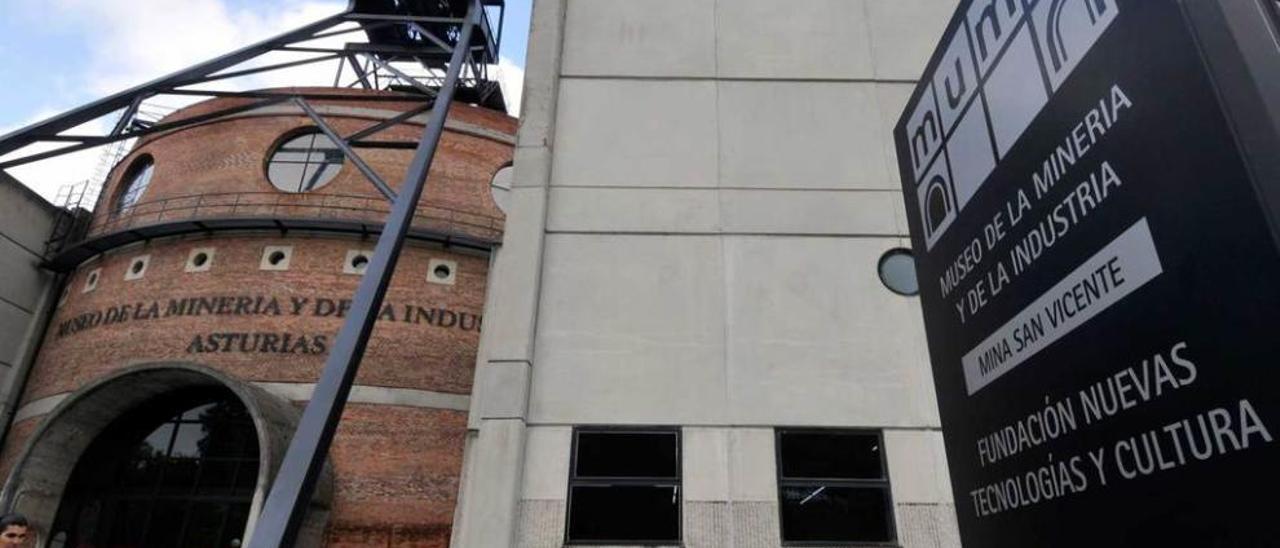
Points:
(72, 118)
(431, 36)
(90, 142)
(403, 116)
(128, 114)
(402, 18)
(361, 75)
(338, 141)
(256, 70)
(400, 75)
(294, 485)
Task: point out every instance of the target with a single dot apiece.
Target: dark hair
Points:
(12, 519)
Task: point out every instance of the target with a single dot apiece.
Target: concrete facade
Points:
(702, 191)
(26, 290)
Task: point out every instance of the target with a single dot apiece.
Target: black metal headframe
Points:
(421, 32)
(454, 41)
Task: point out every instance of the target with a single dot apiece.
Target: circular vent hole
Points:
(442, 271)
(359, 261)
(93, 278)
(200, 259)
(275, 258)
(137, 267)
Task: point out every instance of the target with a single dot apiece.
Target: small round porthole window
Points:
(304, 162)
(136, 181)
(500, 187)
(898, 272)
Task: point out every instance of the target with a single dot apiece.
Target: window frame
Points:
(144, 418)
(882, 483)
(285, 139)
(575, 480)
(895, 252)
(129, 181)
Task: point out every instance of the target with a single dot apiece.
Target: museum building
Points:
(689, 262)
(215, 272)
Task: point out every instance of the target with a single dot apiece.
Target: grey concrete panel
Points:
(541, 74)
(904, 34)
(753, 467)
(815, 338)
(511, 295)
(14, 323)
(633, 210)
(25, 217)
(630, 330)
(917, 467)
(795, 39)
(649, 38)
(892, 99)
(494, 482)
(21, 280)
(636, 133)
(531, 167)
(811, 212)
(502, 389)
(546, 463)
(801, 135)
(705, 470)
(927, 526)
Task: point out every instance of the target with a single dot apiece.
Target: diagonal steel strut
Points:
(291, 492)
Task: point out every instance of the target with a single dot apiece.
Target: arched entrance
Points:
(123, 410)
(177, 470)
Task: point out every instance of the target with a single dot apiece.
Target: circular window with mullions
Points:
(304, 162)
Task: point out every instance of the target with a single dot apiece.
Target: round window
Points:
(136, 181)
(304, 162)
(500, 187)
(898, 272)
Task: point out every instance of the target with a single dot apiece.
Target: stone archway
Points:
(36, 484)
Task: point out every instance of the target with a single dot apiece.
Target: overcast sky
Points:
(59, 54)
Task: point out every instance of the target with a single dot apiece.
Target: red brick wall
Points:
(226, 162)
(396, 467)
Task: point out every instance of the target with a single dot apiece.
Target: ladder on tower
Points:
(77, 200)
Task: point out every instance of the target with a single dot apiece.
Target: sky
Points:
(56, 55)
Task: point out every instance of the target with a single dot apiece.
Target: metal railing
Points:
(277, 205)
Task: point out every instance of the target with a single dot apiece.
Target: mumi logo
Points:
(1001, 65)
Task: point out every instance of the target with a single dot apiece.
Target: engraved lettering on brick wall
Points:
(263, 305)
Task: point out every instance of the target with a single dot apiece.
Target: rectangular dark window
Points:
(624, 487)
(833, 488)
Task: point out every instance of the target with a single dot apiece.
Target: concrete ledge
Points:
(452, 125)
(301, 391)
(39, 407)
(377, 395)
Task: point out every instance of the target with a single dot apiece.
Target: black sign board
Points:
(1099, 273)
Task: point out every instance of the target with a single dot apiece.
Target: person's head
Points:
(13, 529)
